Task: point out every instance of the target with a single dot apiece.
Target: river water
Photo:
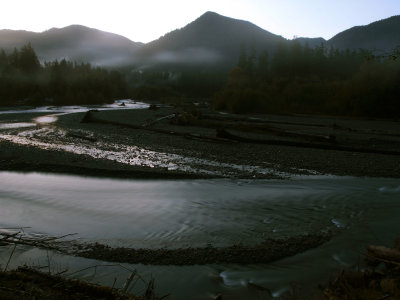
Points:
(51, 113)
(182, 213)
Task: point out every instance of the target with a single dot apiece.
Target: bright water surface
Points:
(156, 213)
(55, 111)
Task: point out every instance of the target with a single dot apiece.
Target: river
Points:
(183, 213)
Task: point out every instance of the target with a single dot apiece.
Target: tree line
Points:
(300, 79)
(24, 80)
(295, 78)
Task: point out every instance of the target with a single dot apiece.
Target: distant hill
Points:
(75, 42)
(211, 39)
(381, 36)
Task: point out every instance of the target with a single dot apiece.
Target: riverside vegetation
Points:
(25, 81)
(294, 79)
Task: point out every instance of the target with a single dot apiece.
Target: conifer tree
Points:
(28, 60)
(242, 56)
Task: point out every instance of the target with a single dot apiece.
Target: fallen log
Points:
(382, 253)
(151, 123)
(197, 137)
(257, 120)
(82, 137)
(90, 118)
(263, 127)
(222, 133)
(20, 238)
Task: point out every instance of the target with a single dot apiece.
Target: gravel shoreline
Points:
(266, 252)
(193, 151)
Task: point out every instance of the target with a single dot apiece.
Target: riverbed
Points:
(133, 141)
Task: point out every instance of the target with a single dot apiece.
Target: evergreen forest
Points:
(298, 79)
(294, 79)
(25, 81)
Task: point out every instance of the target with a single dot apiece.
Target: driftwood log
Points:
(91, 118)
(81, 136)
(383, 254)
(222, 133)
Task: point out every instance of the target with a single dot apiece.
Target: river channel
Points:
(220, 212)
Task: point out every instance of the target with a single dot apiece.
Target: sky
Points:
(147, 20)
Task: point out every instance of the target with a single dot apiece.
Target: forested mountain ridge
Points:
(75, 43)
(209, 40)
(381, 36)
(212, 39)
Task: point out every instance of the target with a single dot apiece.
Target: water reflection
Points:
(157, 213)
(16, 125)
(46, 119)
(128, 104)
(194, 212)
(62, 110)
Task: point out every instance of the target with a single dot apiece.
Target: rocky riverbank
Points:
(186, 142)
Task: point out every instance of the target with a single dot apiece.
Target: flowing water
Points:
(183, 213)
(170, 214)
(52, 112)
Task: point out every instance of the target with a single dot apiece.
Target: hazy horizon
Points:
(150, 20)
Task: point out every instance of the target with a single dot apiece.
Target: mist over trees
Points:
(300, 79)
(293, 79)
(23, 80)
(184, 82)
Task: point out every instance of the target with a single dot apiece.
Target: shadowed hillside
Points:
(211, 39)
(75, 43)
(382, 36)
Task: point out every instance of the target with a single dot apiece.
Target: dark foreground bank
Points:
(377, 277)
(28, 283)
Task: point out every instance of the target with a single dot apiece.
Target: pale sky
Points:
(147, 20)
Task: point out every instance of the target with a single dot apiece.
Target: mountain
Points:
(75, 42)
(381, 36)
(211, 39)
